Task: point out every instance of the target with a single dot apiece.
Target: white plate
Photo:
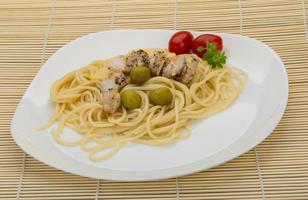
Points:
(214, 140)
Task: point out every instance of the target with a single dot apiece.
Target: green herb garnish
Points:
(201, 48)
(213, 56)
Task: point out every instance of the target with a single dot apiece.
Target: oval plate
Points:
(214, 140)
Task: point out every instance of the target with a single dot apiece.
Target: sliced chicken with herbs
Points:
(189, 70)
(136, 58)
(157, 62)
(174, 67)
(111, 101)
(117, 63)
(114, 81)
(110, 91)
(180, 68)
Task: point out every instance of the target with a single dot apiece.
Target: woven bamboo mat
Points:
(30, 31)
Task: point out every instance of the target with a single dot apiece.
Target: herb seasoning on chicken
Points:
(178, 67)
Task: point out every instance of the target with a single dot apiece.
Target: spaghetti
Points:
(78, 102)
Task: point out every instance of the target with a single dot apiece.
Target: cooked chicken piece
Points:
(111, 101)
(110, 89)
(174, 67)
(109, 84)
(114, 81)
(189, 70)
(136, 58)
(181, 68)
(120, 79)
(158, 61)
(117, 63)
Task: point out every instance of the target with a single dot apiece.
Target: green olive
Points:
(140, 74)
(130, 99)
(160, 96)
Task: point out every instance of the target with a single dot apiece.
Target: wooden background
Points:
(31, 30)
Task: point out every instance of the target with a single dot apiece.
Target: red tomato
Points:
(201, 41)
(180, 42)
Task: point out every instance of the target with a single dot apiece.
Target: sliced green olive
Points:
(140, 74)
(160, 96)
(130, 99)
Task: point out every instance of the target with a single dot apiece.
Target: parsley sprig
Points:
(212, 55)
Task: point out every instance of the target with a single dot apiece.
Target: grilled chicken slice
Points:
(111, 101)
(189, 70)
(181, 68)
(174, 67)
(136, 58)
(157, 62)
(110, 89)
(114, 81)
(117, 63)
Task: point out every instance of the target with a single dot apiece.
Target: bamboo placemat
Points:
(30, 31)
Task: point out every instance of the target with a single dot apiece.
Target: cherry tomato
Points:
(180, 42)
(201, 40)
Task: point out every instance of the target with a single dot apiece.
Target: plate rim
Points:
(119, 175)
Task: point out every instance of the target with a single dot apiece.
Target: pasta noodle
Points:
(78, 98)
